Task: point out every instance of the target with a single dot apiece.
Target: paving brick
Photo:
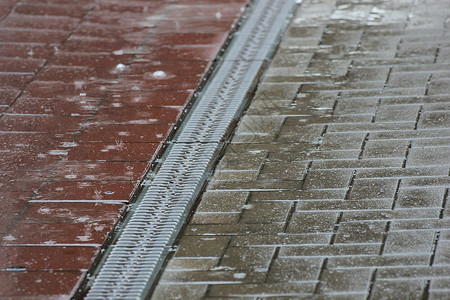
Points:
(344, 250)
(385, 149)
(280, 239)
(155, 115)
(425, 197)
(283, 170)
(100, 171)
(71, 213)
(254, 185)
(86, 190)
(222, 201)
(216, 218)
(428, 156)
(237, 175)
(409, 242)
(54, 10)
(326, 179)
(303, 222)
(248, 258)
(388, 289)
(266, 290)
(198, 246)
(40, 258)
(214, 276)
(399, 113)
(180, 53)
(360, 232)
(171, 291)
(13, 35)
(341, 141)
(38, 284)
(58, 234)
(248, 161)
(178, 264)
(265, 212)
(442, 253)
(359, 261)
(373, 189)
(347, 205)
(233, 229)
(358, 164)
(339, 280)
(412, 272)
(118, 151)
(388, 214)
(297, 195)
(294, 269)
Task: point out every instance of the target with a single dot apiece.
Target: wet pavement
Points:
(335, 184)
(89, 92)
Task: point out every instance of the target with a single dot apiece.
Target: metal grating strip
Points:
(134, 260)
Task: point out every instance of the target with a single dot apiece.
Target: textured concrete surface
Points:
(89, 92)
(335, 185)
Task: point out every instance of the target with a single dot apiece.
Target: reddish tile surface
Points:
(137, 115)
(13, 202)
(146, 133)
(71, 213)
(147, 98)
(57, 234)
(38, 284)
(41, 258)
(89, 91)
(87, 190)
(100, 171)
(116, 151)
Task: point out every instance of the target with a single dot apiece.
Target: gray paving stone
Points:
(263, 290)
(222, 201)
(341, 141)
(215, 218)
(428, 156)
(335, 184)
(378, 261)
(294, 269)
(373, 189)
(398, 289)
(360, 232)
(385, 149)
(409, 241)
(401, 113)
(344, 280)
(248, 258)
(334, 250)
(344, 205)
(163, 292)
(265, 212)
(328, 179)
(303, 222)
(420, 197)
(233, 229)
(280, 239)
(192, 264)
(389, 214)
(202, 246)
(283, 170)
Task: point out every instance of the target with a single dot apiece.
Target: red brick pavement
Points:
(89, 91)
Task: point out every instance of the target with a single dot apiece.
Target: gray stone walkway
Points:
(335, 185)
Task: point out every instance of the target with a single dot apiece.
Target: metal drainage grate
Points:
(133, 262)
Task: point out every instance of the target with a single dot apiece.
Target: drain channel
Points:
(133, 262)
